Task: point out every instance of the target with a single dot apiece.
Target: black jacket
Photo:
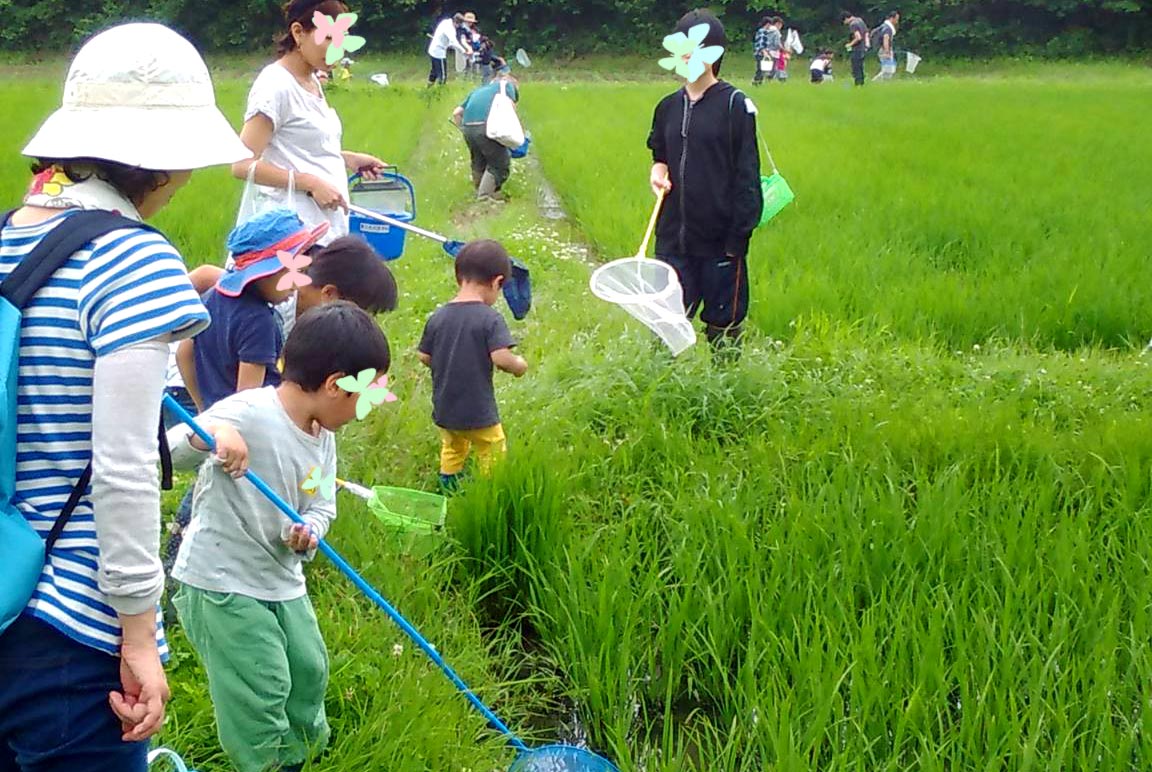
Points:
(714, 163)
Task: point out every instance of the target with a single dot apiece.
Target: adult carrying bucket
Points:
(550, 758)
(22, 550)
(649, 290)
(517, 287)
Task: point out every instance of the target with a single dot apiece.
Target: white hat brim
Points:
(158, 138)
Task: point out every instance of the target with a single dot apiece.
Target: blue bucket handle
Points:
(393, 175)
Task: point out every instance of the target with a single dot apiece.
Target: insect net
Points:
(650, 291)
(561, 758)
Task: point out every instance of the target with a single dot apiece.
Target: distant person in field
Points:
(462, 342)
(768, 44)
(821, 68)
(884, 39)
(706, 161)
(444, 38)
(857, 45)
(792, 47)
(491, 161)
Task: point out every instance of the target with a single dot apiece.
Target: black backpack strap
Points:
(32, 273)
(69, 507)
(165, 456)
(53, 251)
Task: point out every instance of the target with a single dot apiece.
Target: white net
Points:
(650, 291)
(912, 63)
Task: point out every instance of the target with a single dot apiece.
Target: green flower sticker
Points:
(372, 391)
(317, 483)
(689, 55)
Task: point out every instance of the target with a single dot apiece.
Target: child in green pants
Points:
(243, 599)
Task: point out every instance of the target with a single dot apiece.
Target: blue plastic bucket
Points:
(391, 195)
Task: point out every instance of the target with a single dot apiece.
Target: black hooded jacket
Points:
(714, 163)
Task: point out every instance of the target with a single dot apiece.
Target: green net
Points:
(777, 195)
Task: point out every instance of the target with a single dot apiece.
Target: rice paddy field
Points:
(910, 530)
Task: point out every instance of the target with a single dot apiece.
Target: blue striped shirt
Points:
(126, 287)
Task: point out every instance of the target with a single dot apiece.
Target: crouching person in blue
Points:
(705, 159)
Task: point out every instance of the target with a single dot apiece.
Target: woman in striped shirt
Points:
(81, 681)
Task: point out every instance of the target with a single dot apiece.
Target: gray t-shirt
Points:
(235, 541)
(460, 338)
(857, 25)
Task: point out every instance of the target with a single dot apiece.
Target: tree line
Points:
(965, 28)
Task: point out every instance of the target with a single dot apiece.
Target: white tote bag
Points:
(257, 199)
(503, 122)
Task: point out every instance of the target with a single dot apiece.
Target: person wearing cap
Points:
(706, 162)
(81, 679)
(240, 350)
(491, 161)
(294, 134)
(472, 38)
(446, 36)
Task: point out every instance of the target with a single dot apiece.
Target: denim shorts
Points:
(54, 713)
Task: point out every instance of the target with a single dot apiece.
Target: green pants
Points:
(267, 673)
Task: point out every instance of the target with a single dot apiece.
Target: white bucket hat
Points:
(140, 95)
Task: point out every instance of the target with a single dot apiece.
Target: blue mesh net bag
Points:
(561, 758)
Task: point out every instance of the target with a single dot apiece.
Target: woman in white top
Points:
(290, 127)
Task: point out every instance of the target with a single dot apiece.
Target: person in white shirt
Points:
(821, 68)
(295, 134)
(444, 38)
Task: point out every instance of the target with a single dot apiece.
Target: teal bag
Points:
(774, 189)
(22, 550)
(777, 195)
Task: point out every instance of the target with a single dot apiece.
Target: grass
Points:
(909, 531)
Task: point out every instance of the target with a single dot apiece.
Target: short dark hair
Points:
(892, 13)
(131, 181)
(716, 35)
(351, 266)
(777, 20)
(301, 11)
(337, 337)
(482, 261)
(846, 15)
(764, 20)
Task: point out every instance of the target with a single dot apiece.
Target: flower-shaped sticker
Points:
(317, 483)
(295, 277)
(336, 29)
(372, 391)
(689, 55)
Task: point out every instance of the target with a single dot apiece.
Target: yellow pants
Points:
(455, 445)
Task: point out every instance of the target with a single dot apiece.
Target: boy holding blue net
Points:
(462, 342)
(243, 601)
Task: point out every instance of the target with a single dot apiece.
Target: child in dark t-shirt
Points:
(462, 341)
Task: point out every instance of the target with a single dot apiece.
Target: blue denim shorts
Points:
(54, 713)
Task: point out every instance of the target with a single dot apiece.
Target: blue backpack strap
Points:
(33, 272)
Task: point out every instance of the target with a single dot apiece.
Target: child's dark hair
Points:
(777, 20)
(357, 273)
(334, 338)
(846, 15)
(301, 11)
(482, 261)
(716, 35)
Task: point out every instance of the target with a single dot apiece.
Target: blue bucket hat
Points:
(256, 245)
